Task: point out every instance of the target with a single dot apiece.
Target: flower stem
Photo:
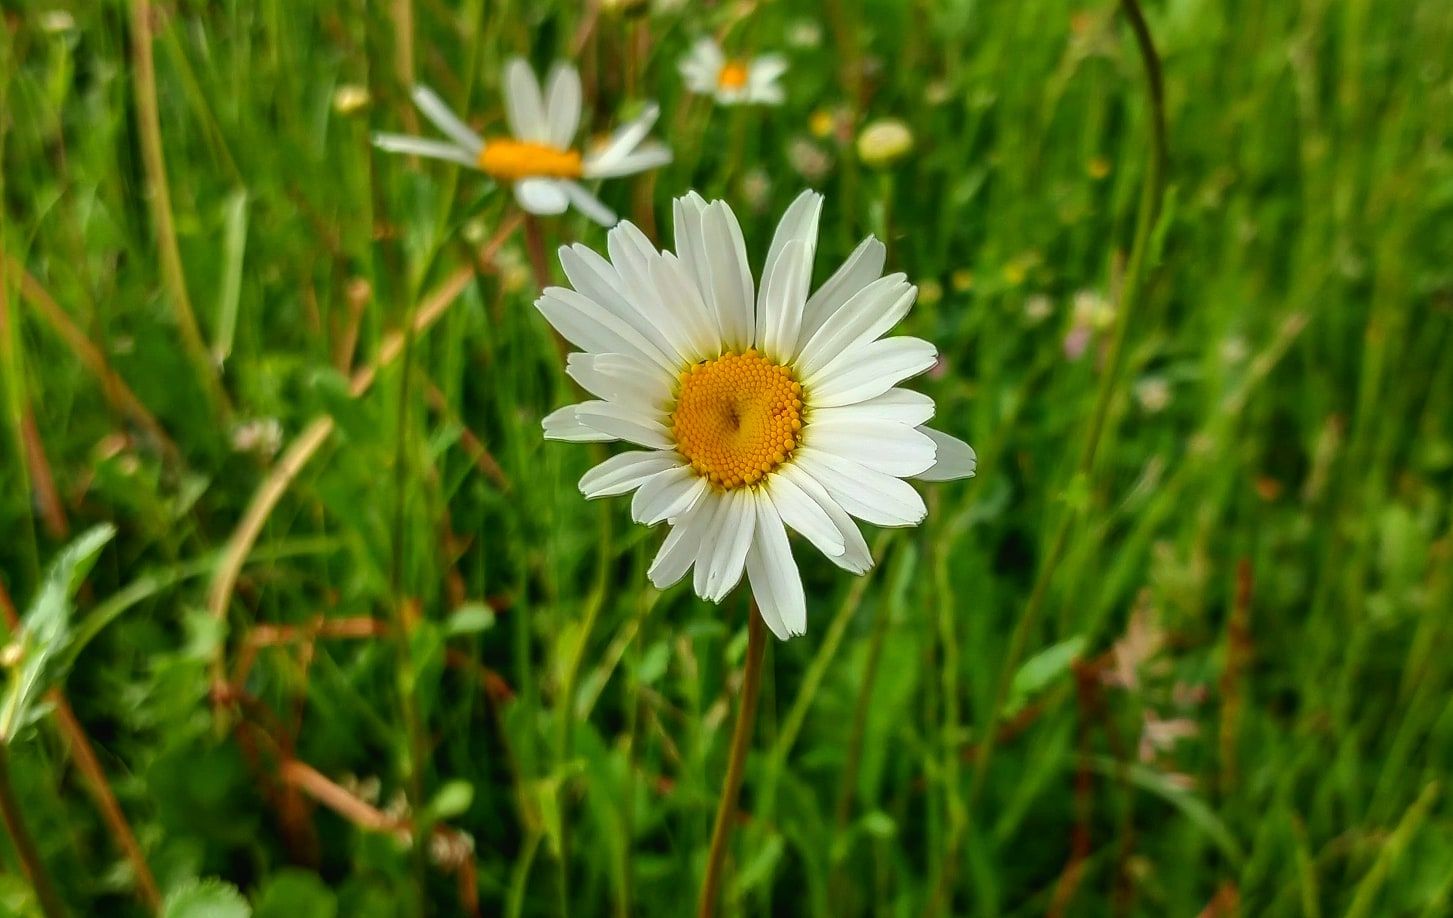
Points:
(731, 786)
(30, 862)
(535, 245)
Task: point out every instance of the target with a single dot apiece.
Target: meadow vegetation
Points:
(318, 624)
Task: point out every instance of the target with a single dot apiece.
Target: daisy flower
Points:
(538, 160)
(733, 81)
(757, 409)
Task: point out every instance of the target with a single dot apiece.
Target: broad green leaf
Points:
(1042, 670)
(209, 898)
(294, 893)
(45, 630)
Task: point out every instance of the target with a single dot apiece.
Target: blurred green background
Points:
(441, 682)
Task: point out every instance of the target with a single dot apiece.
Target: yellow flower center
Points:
(737, 418)
(733, 75)
(512, 160)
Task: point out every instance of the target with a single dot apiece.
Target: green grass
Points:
(1269, 513)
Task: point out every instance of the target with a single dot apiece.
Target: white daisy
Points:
(732, 81)
(538, 160)
(757, 409)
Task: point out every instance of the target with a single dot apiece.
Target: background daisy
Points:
(759, 407)
(733, 81)
(538, 159)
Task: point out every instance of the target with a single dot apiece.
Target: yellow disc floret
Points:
(737, 418)
(733, 75)
(512, 160)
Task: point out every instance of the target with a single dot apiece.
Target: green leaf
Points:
(294, 893)
(1041, 670)
(759, 866)
(234, 244)
(470, 618)
(451, 800)
(45, 630)
(879, 824)
(209, 898)
(1192, 807)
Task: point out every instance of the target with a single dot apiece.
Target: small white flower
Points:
(1038, 308)
(1153, 393)
(733, 81)
(259, 435)
(539, 159)
(758, 408)
(804, 33)
(811, 161)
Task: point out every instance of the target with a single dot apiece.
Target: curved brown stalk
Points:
(731, 786)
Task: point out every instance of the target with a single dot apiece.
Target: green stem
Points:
(726, 809)
(159, 197)
(1152, 196)
(30, 862)
(407, 673)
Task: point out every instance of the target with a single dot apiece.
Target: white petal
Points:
(862, 267)
(770, 94)
(635, 260)
(902, 405)
(866, 317)
(542, 196)
(766, 69)
(667, 495)
(523, 107)
(773, 574)
(702, 64)
(885, 446)
(784, 290)
(955, 459)
(869, 495)
(620, 378)
(803, 514)
(565, 424)
(591, 327)
(718, 503)
(869, 370)
(684, 304)
(798, 225)
(562, 104)
(626, 472)
(599, 280)
(622, 143)
(687, 212)
(445, 120)
(596, 278)
(856, 558)
(731, 277)
(649, 154)
(737, 523)
(683, 544)
(625, 423)
(589, 204)
(418, 146)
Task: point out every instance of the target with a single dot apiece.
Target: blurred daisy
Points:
(538, 160)
(733, 81)
(758, 408)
